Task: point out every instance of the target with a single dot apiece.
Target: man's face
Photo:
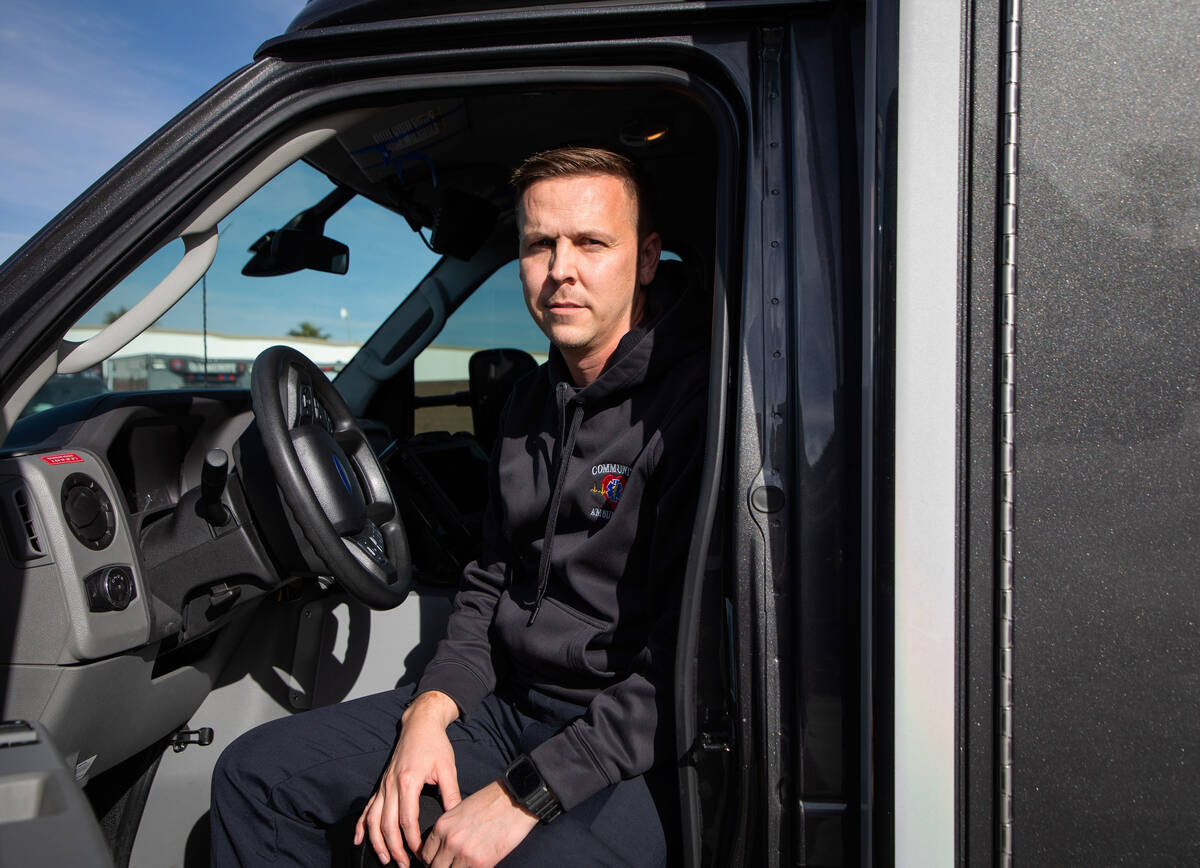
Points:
(582, 264)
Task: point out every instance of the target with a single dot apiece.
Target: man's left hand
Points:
(478, 832)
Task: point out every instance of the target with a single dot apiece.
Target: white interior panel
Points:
(926, 360)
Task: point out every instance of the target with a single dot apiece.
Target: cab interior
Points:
(236, 624)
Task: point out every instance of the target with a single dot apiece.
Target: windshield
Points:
(210, 337)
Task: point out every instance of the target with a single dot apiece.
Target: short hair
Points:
(572, 162)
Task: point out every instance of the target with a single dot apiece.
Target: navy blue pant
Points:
(290, 791)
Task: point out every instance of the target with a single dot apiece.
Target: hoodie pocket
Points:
(562, 641)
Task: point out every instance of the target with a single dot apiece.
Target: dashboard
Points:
(130, 542)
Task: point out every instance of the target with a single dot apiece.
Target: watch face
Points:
(524, 778)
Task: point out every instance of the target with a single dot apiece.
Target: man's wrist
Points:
(517, 806)
(433, 704)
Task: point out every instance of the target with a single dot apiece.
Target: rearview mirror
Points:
(283, 251)
(302, 243)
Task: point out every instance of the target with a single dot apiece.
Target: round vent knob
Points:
(88, 511)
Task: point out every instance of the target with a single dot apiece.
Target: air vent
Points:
(22, 525)
(88, 511)
(25, 514)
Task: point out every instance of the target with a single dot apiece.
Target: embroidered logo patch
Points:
(608, 481)
(612, 486)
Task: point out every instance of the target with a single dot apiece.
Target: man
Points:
(548, 702)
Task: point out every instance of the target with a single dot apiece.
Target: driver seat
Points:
(491, 377)
(445, 476)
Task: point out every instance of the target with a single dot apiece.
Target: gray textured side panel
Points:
(1107, 739)
(977, 797)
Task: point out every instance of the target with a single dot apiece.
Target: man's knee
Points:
(241, 768)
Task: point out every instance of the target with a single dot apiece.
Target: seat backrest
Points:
(492, 374)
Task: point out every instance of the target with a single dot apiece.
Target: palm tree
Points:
(308, 330)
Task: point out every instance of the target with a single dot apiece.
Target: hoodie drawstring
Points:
(552, 518)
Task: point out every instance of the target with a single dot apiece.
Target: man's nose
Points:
(562, 261)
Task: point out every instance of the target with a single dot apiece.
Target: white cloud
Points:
(79, 89)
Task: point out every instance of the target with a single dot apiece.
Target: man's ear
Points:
(649, 249)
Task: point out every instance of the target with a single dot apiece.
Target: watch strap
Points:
(539, 801)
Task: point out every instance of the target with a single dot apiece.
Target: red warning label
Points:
(63, 458)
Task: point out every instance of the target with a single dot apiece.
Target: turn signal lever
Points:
(212, 485)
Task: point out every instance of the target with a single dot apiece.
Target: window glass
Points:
(212, 335)
(493, 316)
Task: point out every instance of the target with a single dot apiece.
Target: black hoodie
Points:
(575, 596)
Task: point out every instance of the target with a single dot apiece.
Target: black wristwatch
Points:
(524, 782)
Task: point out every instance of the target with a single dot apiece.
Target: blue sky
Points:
(83, 83)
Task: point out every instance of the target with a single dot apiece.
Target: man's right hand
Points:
(423, 755)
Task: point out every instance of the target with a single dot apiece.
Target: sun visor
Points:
(396, 141)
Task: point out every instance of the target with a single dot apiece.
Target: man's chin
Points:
(569, 339)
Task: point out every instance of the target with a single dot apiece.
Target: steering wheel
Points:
(330, 477)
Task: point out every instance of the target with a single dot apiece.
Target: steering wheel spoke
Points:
(380, 512)
(369, 543)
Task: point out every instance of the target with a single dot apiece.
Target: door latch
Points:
(721, 739)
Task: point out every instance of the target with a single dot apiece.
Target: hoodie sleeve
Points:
(464, 667)
(616, 738)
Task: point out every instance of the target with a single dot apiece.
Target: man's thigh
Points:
(618, 827)
(319, 768)
(324, 764)
(345, 746)
(284, 790)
